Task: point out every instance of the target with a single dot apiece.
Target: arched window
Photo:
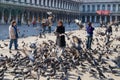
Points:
(119, 7)
(93, 8)
(114, 7)
(103, 7)
(35, 2)
(83, 8)
(54, 3)
(88, 8)
(108, 7)
(98, 7)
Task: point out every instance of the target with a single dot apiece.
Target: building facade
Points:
(88, 10)
(24, 10)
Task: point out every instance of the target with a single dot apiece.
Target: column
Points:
(110, 18)
(2, 20)
(62, 4)
(33, 17)
(105, 18)
(57, 3)
(53, 3)
(85, 18)
(95, 20)
(37, 2)
(9, 19)
(90, 18)
(111, 7)
(22, 21)
(100, 19)
(28, 15)
(42, 2)
(116, 18)
(49, 3)
(17, 17)
(117, 7)
(46, 3)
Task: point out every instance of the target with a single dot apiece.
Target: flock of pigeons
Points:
(42, 60)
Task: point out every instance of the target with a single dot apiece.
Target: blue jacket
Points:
(89, 30)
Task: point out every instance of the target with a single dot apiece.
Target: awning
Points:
(103, 12)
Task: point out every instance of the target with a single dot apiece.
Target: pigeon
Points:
(5, 44)
(1, 46)
(79, 78)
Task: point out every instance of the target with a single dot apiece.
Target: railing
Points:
(36, 6)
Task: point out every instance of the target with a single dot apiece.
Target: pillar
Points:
(105, 18)
(22, 21)
(9, 19)
(46, 3)
(110, 18)
(100, 19)
(90, 18)
(2, 20)
(33, 17)
(117, 6)
(85, 18)
(116, 18)
(50, 3)
(17, 17)
(53, 3)
(28, 16)
(95, 20)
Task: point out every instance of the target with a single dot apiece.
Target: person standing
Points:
(49, 23)
(43, 27)
(60, 39)
(13, 35)
(108, 33)
(89, 30)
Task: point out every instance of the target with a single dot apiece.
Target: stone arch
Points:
(13, 14)
(6, 15)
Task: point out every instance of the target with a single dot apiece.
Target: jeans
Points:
(15, 41)
(89, 42)
(49, 29)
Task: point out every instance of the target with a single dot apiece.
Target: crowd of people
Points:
(59, 32)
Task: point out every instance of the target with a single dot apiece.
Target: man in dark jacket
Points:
(89, 30)
(108, 33)
(60, 39)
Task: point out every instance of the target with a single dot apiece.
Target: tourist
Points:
(108, 33)
(13, 34)
(34, 23)
(60, 40)
(89, 30)
(49, 23)
(43, 27)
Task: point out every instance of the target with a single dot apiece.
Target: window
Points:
(39, 2)
(98, 7)
(30, 1)
(88, 8)
(25, 1)
(119, 7)
(83, 9)
(93, 8)
(114, 7)
(103, 7)
(35, 2)
(108, 7)
(43, 2)
(48, 3)
(54, 3)
(51, 3)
